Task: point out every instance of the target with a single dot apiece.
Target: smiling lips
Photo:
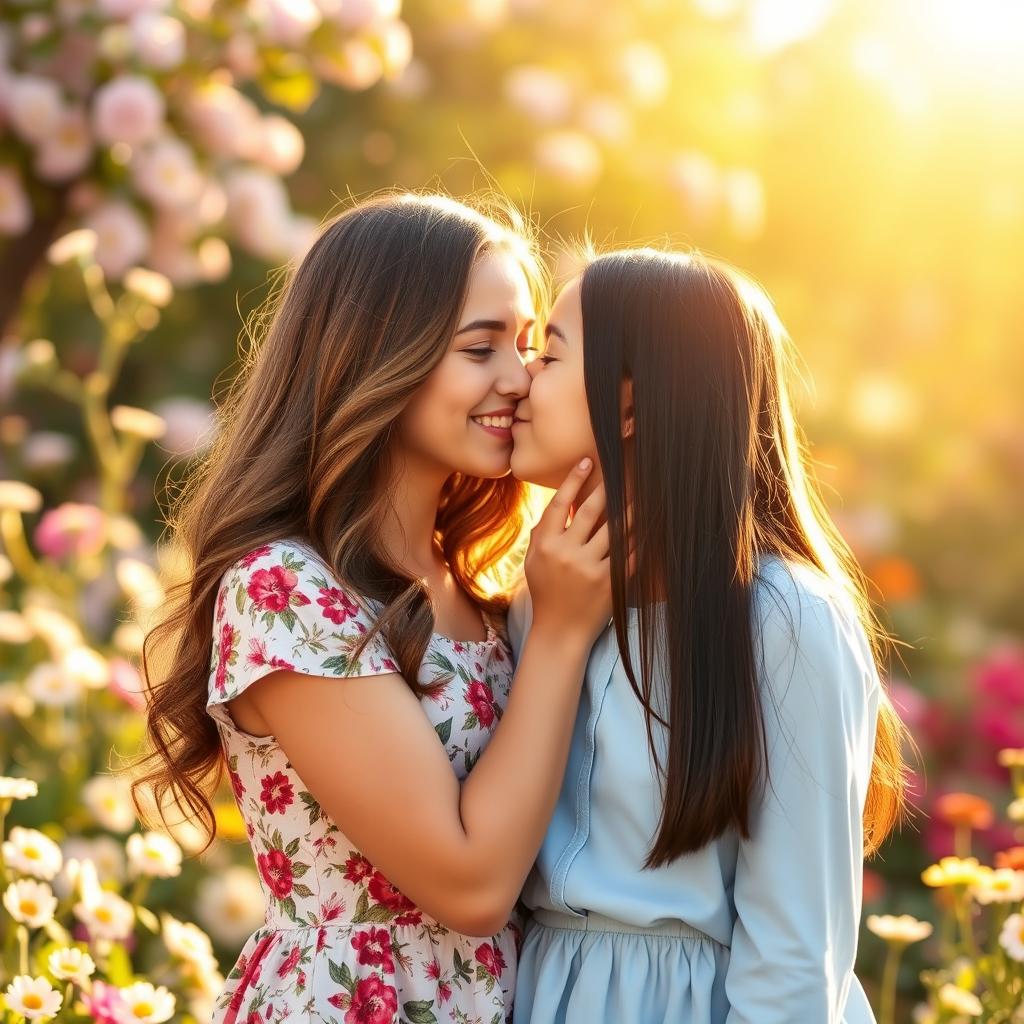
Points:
(498, 423)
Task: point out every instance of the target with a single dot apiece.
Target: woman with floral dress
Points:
(394, 783)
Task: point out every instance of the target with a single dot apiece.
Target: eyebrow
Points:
(489, 325)
(550, 329)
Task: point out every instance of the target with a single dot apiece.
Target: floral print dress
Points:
(340, 943)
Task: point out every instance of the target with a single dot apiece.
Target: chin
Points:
(530, 474)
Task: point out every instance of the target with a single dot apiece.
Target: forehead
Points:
(567, 307)
(498, 282)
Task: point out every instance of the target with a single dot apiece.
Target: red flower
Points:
(277, 792)
(483, 702)
(337, 605)
(254, 556)
(357, 868)
(433, 970)
(276, 869)
(374, 948)
(237, 785)
(226, 649)
(254, 1018)
(321, 940)
(383, 892)
(339, 1000)
(490, 958)
(272, 590)
(413, 917)
(258, 655)
(290, 962)
(444, 992)
(373, 1002)
(334, 907)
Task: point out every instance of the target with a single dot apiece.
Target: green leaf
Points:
(302, 890)
(341, 975)
(362, 906)
(288, 906)
(444, 730)
(419, 1011)
(337, 663)
(119, 967)
(240, 599)
(293, 847)
(298, 870)
(289, 618)
(148, 919)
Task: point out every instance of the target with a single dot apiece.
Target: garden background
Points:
(863, 160)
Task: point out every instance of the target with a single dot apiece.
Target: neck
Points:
(408, 527)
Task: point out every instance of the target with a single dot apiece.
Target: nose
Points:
(515, 378)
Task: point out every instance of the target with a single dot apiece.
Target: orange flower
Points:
(1012, 858)
(964, 810)
(896, 578)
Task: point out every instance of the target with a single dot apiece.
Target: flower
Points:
(87, 666)
(17, 789)
(33, 997)
(282, 146)
(71, 530)
(1000, 886)
(166, 174)
(287, 22)
(230, 904)
(569, 156)
(128, 109)
(357, 867)
(48, 684)
(900, 930)
(31, 903)
(32, 853)
(958, 1000)
(13, 493)
(68, 150)
(147, 1004)
(108, 916)
(1015, 810)
(154, 854)
(1011, 937)
(373, 947)
(276, 869)
(158, 40)
(140, 422)
(337, 605)
(965, 810)
(153, 288)
(15, 209)
(373, 1002)
(186, 940)
(272, 589)
(951, 871)
(491, 959)
(383, 892)
(104, 1004)
(122, 237)
(482, 700)
(1011, 757)
(80, 244)
(34, 105)
(277, 792)
(108, 798)
(71, 964)
(1012, 858)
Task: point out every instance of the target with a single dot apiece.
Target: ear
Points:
(626, 405)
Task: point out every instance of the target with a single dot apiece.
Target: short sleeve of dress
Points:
(280, 607)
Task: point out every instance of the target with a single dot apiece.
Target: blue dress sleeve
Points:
(520, 616)
(798, 878)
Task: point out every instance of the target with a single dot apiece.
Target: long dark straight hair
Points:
(718, 476)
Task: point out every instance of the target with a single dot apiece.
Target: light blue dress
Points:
(762, 931)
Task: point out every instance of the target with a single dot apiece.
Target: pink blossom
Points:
(1001, 675)
(190, 424)
(224, 122)
(15, 211)
(34, 106)
(287, 22)
(104, 1004)
(68, 150)
(71, 530)
(259, 214)
(122, 237)
(128, 109)
(126, 682)
(158, 40)
(166, 174)
(282, 146)
(124, 9)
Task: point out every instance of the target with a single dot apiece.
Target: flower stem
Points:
(890, 973)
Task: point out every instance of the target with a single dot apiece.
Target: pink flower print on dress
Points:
(357, 867)
(384, 893)
(373, 1002)
(482, 701)
(277, 792)
(254, 556)
(272, 590)
(337, 605)
(276, 869)
(258, 656)
(226, 654)
(373, 948)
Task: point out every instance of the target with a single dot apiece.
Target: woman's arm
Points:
(372, 760)
(798, 877)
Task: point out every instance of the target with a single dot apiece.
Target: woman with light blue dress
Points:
(735, 755)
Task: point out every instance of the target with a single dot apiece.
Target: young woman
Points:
(734, 754)
(358, 670)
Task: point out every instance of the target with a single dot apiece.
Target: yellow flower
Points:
(951, 871)
(959, 1000)
(149, 285)
(903, 929)
(80, 243)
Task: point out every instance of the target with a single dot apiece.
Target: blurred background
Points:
(863, 160)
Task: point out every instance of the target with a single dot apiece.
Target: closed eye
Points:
(479, 352)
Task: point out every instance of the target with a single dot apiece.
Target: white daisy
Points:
(33, 997)
(1002, 885)
(903, 929)
(48, 684)
(108, 917)
(154, 854)
(108, 798)
(29, 902)
(71, 964)
(30, 852)
(1011, 938)
(186, 940)
(959, 1000)
(17, 789)
(146, 1004)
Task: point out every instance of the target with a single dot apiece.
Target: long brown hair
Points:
(719, 476)
(303, 451)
